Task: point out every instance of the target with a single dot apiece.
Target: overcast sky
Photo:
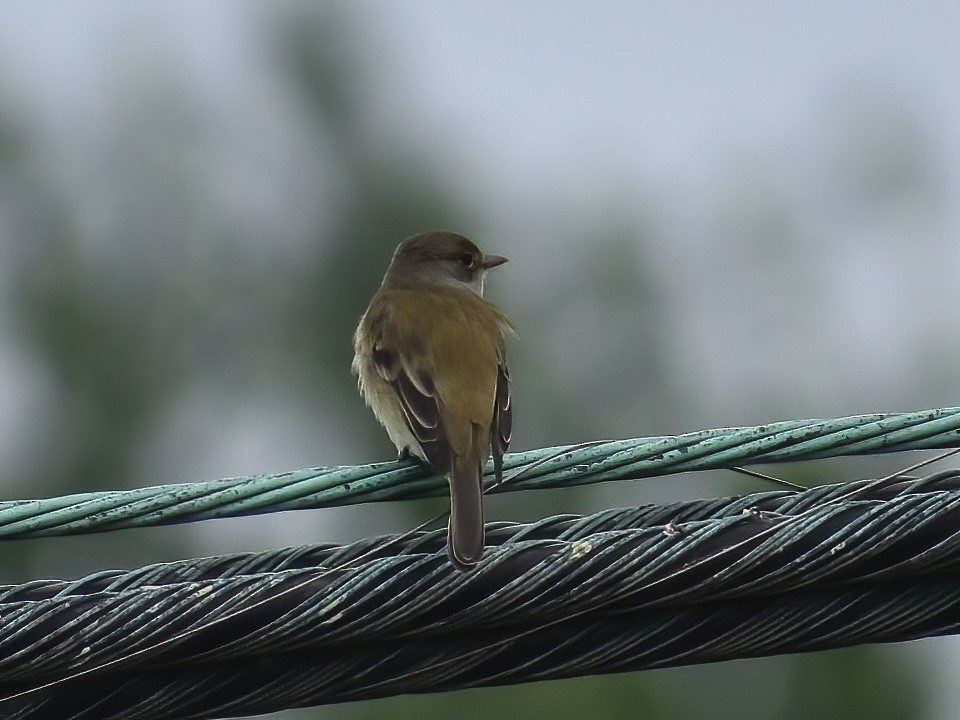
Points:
(663, 91)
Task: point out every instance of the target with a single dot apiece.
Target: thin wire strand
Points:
(769, 478)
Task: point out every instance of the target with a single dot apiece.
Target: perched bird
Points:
(430, 361)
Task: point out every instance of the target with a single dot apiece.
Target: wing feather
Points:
(502, 428)
(418, 401)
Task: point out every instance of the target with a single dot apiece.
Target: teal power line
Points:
(542, 468)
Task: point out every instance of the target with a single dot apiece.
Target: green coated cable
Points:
(541, 468)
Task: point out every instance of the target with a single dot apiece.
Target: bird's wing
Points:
(418, 401)
(502, 427)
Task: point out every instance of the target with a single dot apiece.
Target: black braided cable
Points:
(875, 561)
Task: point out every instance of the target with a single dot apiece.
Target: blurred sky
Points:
(707, 121)
(783, 179)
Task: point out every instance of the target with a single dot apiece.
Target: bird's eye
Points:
(466, 260)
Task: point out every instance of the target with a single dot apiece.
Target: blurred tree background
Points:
(191, 226)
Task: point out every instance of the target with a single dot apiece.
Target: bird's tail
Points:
(465, 532)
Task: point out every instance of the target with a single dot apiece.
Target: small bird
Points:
(430, 361)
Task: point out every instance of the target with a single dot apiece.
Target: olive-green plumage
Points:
(430, 359)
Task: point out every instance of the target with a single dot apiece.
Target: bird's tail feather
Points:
(465, 532)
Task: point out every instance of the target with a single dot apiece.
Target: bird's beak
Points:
(491, 261)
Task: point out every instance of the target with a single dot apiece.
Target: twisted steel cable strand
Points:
(874, 561)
